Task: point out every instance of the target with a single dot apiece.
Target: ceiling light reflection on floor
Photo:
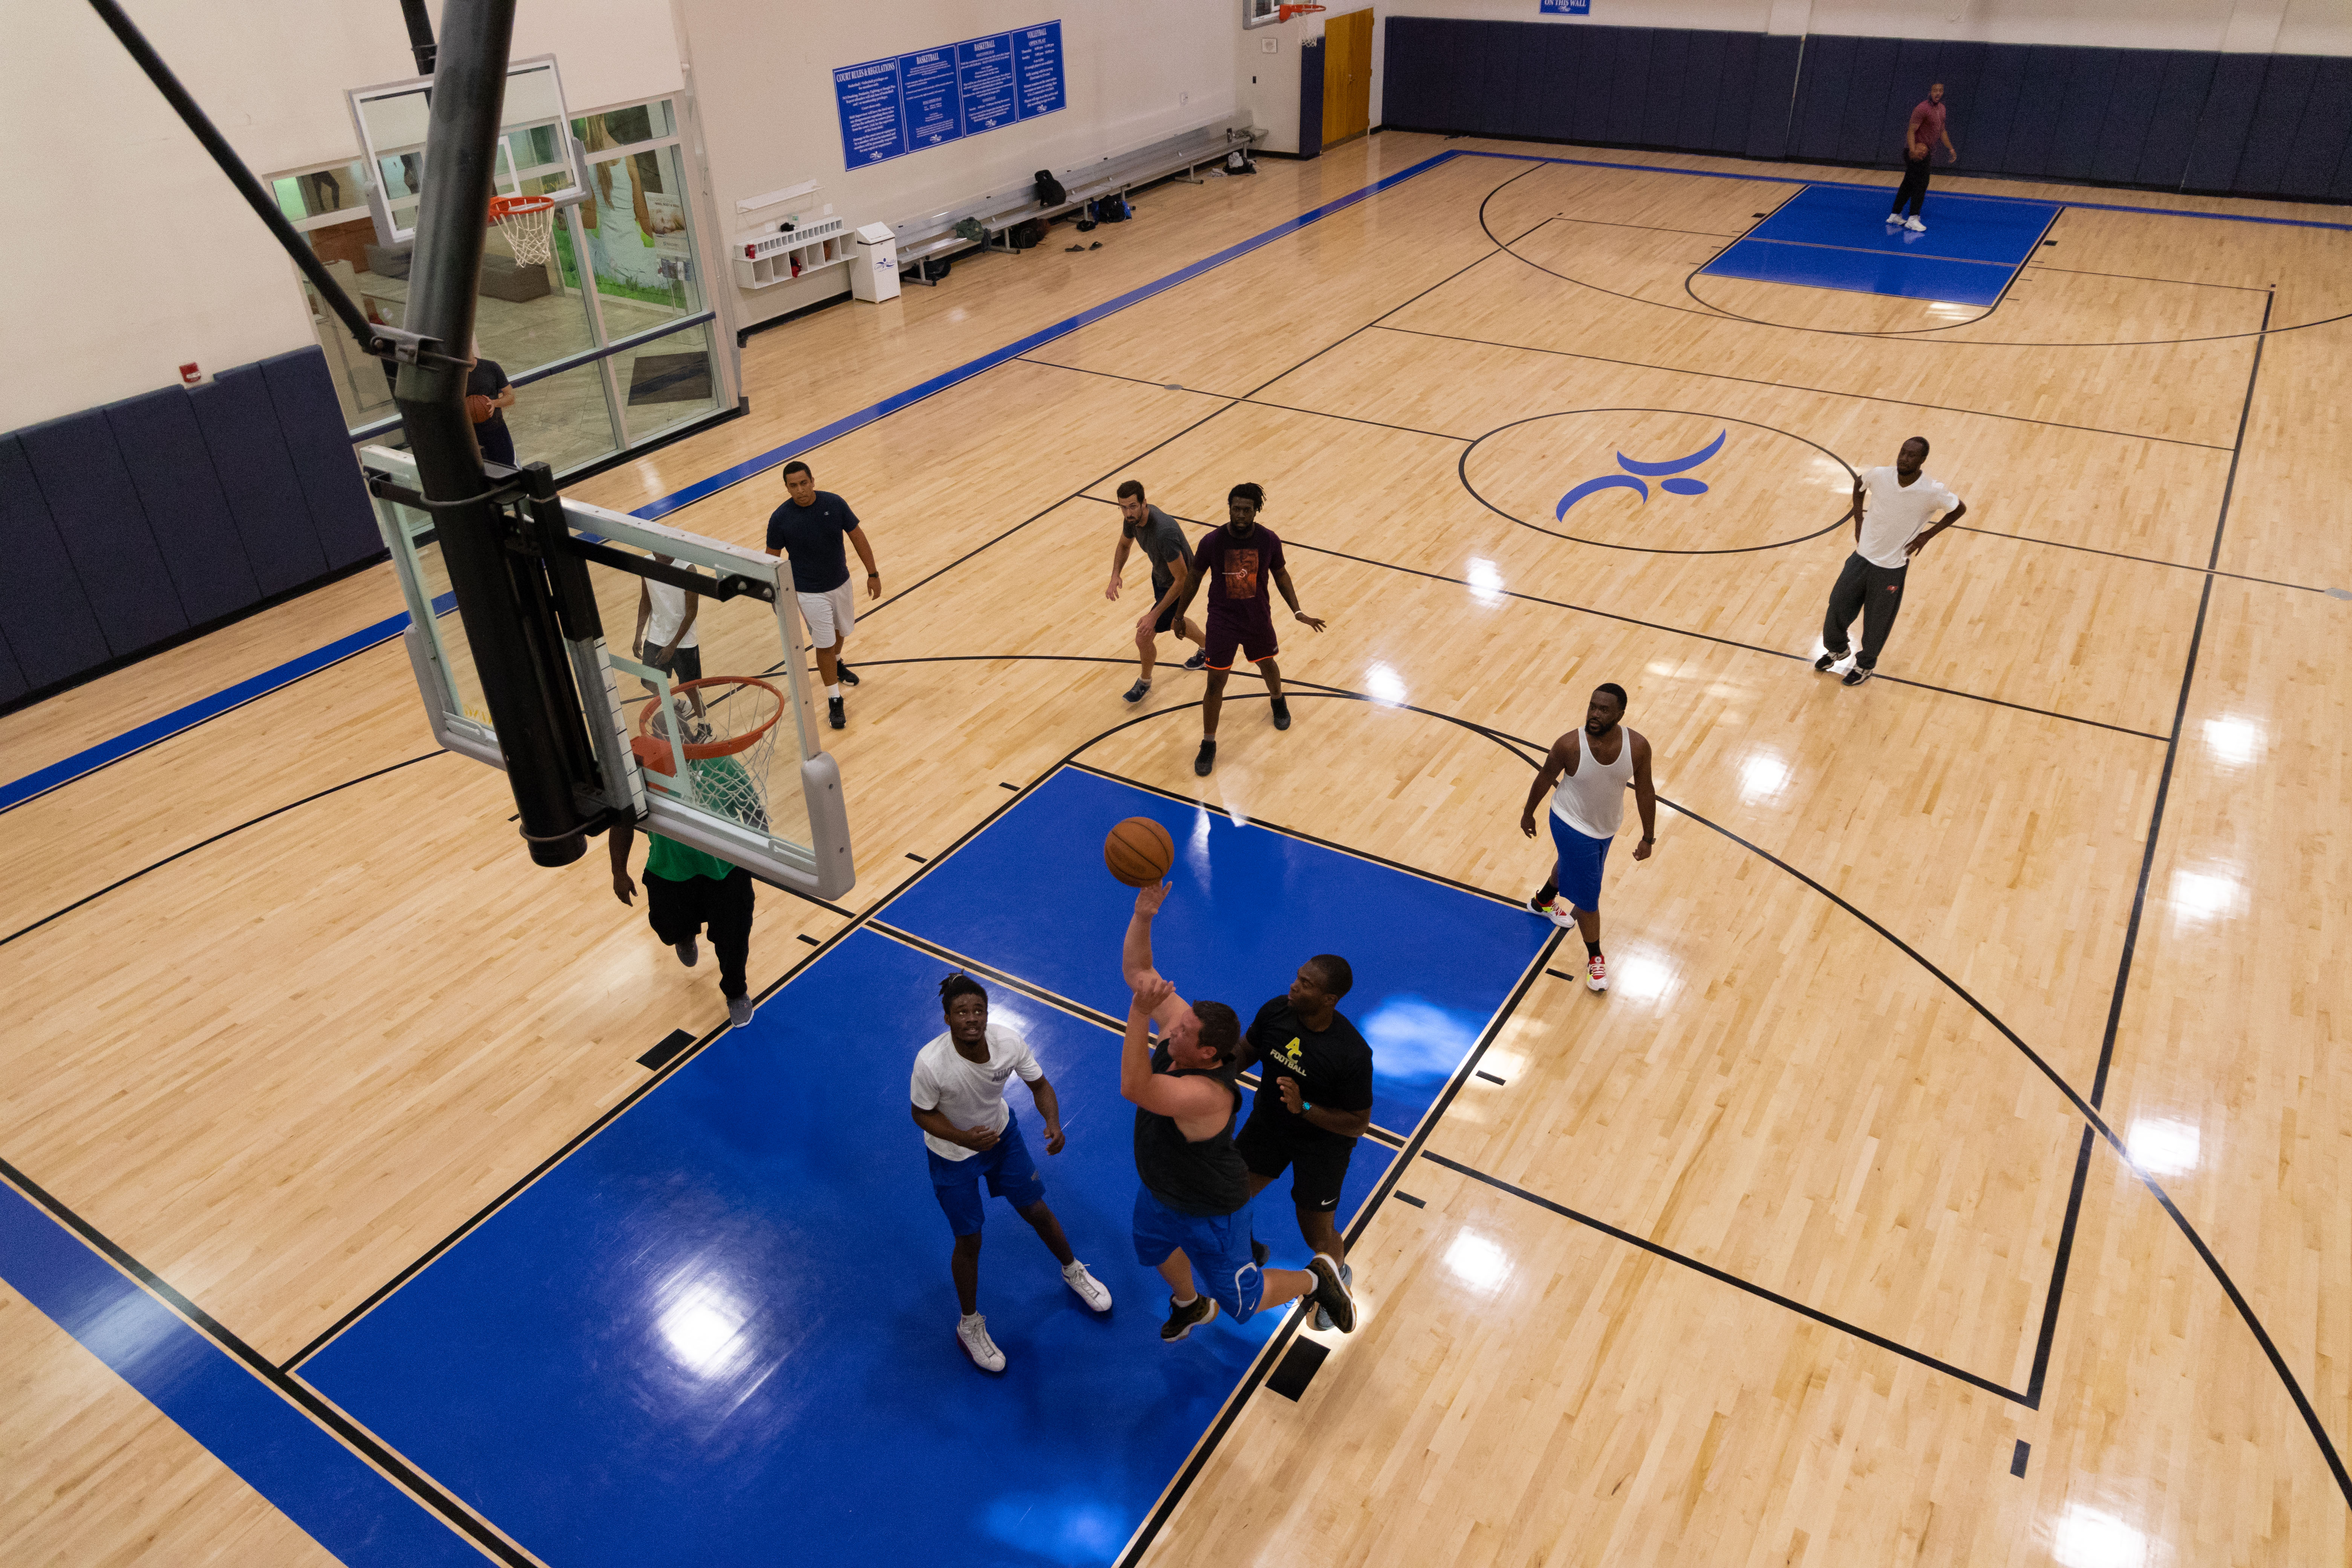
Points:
(2233, 742)
(2201, 896)
(2085, 1538)
(1762, 778)
(2162, 1146)
(702, 1328)
(1486, 582)
(1478, 1262)
(1385, 685)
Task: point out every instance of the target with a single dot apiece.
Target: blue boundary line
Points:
(42, 780)
(17, 792)
(334, 1496)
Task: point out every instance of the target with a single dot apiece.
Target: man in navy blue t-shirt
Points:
(809, 529)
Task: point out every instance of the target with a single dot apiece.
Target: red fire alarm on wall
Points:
(190, 375)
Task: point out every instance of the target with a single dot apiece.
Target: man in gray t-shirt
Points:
(1172, 567)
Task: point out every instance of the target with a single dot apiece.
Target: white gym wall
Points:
(152, 259)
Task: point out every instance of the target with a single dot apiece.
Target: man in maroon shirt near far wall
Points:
(1927, 126)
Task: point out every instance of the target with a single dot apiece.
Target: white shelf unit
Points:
(763, 260)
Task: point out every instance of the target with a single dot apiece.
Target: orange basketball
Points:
(479, 407)
(1139, 852)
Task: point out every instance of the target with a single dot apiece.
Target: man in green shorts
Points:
(686, 892)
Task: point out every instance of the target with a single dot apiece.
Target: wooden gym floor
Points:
(1799, 1246)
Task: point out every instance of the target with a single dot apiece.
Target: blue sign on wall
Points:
(1565, 8)
(912, 102)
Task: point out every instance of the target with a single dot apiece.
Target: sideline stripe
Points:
(704, 488)
(334, 1496)
(20, 791)
(42, 780)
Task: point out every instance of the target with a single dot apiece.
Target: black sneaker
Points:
(1182, 1321)
(1332, 1293)
(834, 715)
(1858, 674)
(848, 676)
(1206, 759)
(1281, 713)
(1200, 661)
(1138, 691)
(1827, 662)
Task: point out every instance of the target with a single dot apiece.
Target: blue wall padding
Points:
(257, 473)
(46, 616)
(2247, 124)
(186, 513)
(104, 529)
(12, 679)
(302, 391)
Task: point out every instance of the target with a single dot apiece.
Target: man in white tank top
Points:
(666, 636)
(1588, 772)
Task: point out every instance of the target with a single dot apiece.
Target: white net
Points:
(530, 231)
(727, 730)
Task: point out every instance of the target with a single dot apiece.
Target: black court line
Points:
(1651, 227)
(1792, 386)
(2049, 1334)
(1256, 403)
(2143, 560)
(1290, 542)
(420, 1487)
(1720, 1276)
(2136, 278)
(223, 833)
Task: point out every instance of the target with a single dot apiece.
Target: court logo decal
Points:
(1637, 476)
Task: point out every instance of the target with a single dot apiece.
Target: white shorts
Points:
(829, 614)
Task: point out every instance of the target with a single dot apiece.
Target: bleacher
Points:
(945, 233)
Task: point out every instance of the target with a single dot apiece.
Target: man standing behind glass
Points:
(808, 529)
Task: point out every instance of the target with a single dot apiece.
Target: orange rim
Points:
(654, 749)
(512, 206)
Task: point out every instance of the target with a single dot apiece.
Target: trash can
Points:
(874, 264)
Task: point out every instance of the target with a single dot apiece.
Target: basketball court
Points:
(1953, 1172)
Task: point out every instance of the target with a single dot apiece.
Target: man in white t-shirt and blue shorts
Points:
(970, 1135)
(1894, 529)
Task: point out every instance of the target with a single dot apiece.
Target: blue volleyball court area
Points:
(1837, 237)
(722, 1330)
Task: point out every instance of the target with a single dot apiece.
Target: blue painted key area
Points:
(1837, 237)
(723, 1330)
(1029, 895)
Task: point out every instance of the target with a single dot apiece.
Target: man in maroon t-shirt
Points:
(1926, 126)
(1236, 561)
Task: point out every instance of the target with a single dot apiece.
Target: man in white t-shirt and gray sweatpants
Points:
(1894, 529)
(969, 1133)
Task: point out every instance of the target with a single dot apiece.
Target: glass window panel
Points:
(564, 421)
(625, 127)
(530, 314)
(352, 256)
(667, 381)
(640, 240)
(322, 191)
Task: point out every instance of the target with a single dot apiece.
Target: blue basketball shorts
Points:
(1217, 1245)
(1581, 856)
(1011, 1174)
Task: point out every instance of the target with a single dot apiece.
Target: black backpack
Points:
(1050, 193)
(1028, 234)
(1110, 209)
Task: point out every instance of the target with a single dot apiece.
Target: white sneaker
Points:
(1893, 219)
(1562, 914)
(1090, 1289)
(971, 1333)
(1596, 973)
(1915, 225)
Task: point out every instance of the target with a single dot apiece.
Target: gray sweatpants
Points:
(1875, 593)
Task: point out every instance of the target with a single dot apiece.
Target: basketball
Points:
(1139, 852)
(479, 407)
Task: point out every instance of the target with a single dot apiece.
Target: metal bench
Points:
(933, 237)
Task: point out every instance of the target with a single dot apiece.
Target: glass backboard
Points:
(732, 766)
(536, 153)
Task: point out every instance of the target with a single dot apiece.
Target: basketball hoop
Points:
(728, 746)
(1288, 12)
(529, 223)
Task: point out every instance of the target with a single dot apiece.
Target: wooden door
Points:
(1347, 76)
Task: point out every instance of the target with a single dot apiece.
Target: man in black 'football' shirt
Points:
(1314, 1099)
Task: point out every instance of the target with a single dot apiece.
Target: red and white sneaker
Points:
(1596, 973)
(1561, 913)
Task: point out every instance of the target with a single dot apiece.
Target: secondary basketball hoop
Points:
(529, 223)
(728, 746)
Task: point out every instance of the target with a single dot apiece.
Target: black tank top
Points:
(1206, 1178)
